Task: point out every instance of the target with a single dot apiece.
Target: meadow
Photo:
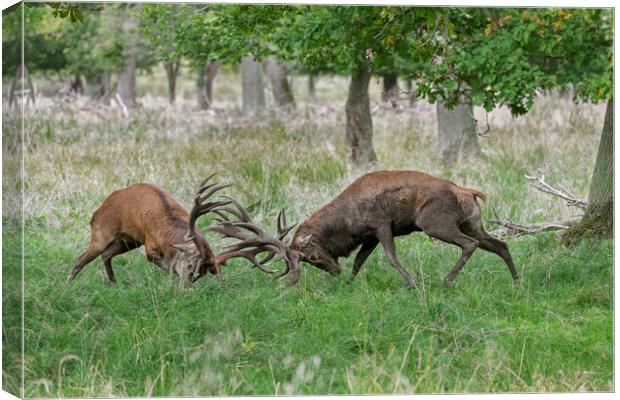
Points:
(147, 336)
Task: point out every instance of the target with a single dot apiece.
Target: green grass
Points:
(148, 336)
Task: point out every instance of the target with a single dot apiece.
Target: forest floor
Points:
(146, 335)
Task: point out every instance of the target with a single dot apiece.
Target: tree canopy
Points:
(505, 56)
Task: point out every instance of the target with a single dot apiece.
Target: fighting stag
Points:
(145, 214)
(381, 205)
(374, 209)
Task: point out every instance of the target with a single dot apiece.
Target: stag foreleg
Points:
(362, 255)
(157, 259)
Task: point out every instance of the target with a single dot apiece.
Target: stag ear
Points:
(305, 239)
(185, 248)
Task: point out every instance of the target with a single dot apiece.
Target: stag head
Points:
(195, 257)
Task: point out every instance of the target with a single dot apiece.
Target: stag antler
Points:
(202, 207)
(253, 240)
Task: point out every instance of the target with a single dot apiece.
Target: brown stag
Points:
(145, 214)
(374, 209)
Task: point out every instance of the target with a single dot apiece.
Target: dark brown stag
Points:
(381, 205)
(145, 214)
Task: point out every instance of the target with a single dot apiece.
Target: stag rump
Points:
(145, 214)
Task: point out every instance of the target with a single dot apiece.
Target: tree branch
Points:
(394, 18)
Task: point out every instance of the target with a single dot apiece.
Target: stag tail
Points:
(476, 193)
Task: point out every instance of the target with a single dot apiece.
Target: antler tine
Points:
(201, 206)
(283, 230)
(200, 196)
(200, 209)
(249, 255)
(220, 213)
(270, 255)
(255, 243)
(281, 220)
(282, 234)
(204, 182)
(223, 210)
(244, 215)
(250, 227)
(235, 222)
(228, 230)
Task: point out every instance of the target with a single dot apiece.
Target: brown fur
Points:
(145, 214)
(381, 205)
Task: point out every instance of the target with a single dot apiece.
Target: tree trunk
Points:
(172, 72)
(252, 85)
(359, 120)
(30, 85)
(279, 82)
(126, 86)
(201, 91)
(599, 216)
(311, 88)
(26, 87)
(411, 93)
(104, 89)
(17, 78)
(457, 138)
(77, 86)
(390, 88)
(205, 84)
(210, 73)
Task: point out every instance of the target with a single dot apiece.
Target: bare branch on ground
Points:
(571, 200)
(510, 228)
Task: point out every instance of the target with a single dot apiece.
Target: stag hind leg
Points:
(445, 227)
(98, 243)
(117, 247)
(489, 243)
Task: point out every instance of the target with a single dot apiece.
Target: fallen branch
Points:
(509, 228)
(571, 199)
